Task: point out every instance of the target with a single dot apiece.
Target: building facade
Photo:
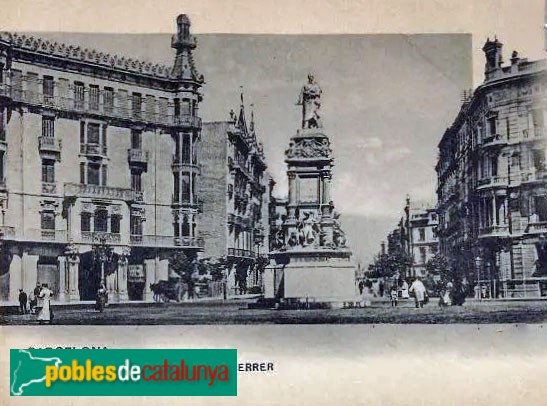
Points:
(423, 241)
(96, 149)
(235, 190)
(492, 195)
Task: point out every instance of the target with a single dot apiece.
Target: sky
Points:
(387, 98)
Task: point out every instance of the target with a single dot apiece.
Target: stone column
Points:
(122, 277)
(162, 269)
(29, 271)
(73, 275)
(150, 276)
(63, 293)
(15, 278)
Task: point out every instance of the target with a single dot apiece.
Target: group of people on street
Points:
(39, 303)
(399, 290)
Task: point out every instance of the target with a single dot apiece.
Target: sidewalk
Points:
(12, 307)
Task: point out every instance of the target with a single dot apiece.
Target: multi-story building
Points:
(423, 242)
(235, 190)
(96, 149)
(492, 194)
(412, 243)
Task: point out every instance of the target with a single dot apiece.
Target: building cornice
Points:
(51, 53)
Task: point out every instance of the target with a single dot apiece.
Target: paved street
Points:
(237, 313)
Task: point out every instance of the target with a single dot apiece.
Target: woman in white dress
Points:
(45, 311)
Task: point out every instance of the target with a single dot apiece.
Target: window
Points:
(492, 126)
(115, 224)
(47, 220)
(540, 203)
(136, 181)
(421, 232)
(47, 89)
(101, 220)
(136, 105)
(135, 224)
(93, 174)
(136, 139)
(93, 133)
(537, 118)
(177, 107)
(16, 84)
(494, 166)
(422, 255)
(48, 171)
(539, 159)
(186, 107)
(86, 222)
(48, 126)
(2, 179)
(93, 97)
(2, 126)
(185, 227)
(186, 148)
(185, 188)
(108, 99)
(79, 95)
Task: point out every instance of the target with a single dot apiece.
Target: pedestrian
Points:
(394, 295)
(420, 292)
(404, 290)
(36, 293)
(45, 313)
(22, 301)
(381, 288)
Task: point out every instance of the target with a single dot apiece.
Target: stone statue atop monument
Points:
(310, 100)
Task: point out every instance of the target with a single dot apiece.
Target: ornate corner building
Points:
(492, 180)
(236, 191)
(96, 148)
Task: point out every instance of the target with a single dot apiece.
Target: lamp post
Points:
(103, 254)
(478, 264)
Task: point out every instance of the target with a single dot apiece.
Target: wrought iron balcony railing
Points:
(154, 113)
(92, 149)
(137, 156)
(240, 253)
(97, 191)
(49, 144)
(96, 237)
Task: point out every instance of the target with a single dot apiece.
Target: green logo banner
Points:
(123, 372)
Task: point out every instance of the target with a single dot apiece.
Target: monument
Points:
(309, 259)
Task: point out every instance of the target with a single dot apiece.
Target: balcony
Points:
(197, 204)
(49, 188)
(98, 237)
(54, 235)
(185, 167)
(538, 227)
(93, 150)
(167, 241)
(240, 253)
(494, 140)
(186, 120)
(492, 182)
(137, 156)
(7, 233)
(531, 176)
(494, 231)
(101, 192)
(49, 145)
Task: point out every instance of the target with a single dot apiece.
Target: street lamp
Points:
(478, 263)
(102, 253)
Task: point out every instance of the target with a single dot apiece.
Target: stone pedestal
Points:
(314, 277)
